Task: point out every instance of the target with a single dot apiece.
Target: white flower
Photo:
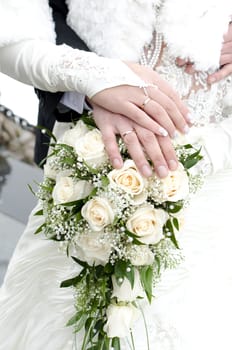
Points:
(176, 185)
(140, 255)
(71, 136)
(129, 179)
(120, 320)
(147, 223)
(91, 148)
(93, 248)
(124, 291)
(52, 173)
(49, 171)
(68, 190)
(98, 212)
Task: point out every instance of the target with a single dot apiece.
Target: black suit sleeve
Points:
(48, 101)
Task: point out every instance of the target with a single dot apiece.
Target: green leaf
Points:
(105, 181)
(146, 277)
(172, 236)
(169, 226)
(88, 120)
(80, 262)
(116, 344)
(73, 281)
(124, 269)
(109, 269)
(81, 323)
(78, 204)
(174, 207)
(31, 189)
(176, 223)
(47, 131)
(135, 238)
(158, 263)
(39, 212)
(75, 318)
(40, 228)
(65, 146)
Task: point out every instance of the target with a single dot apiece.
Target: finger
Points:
(226, 59)
(173, 95)
(159, 114)
(153, 151)
(134, 113)
(111, 146)
(181, 62)
(166, 113)
(228, 35)
(137, 154)
(226, 47)
(190, 68)
(169, 152)
(222, 73)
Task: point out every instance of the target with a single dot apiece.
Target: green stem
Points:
(145, 324)
(85, 341)
(132, 341)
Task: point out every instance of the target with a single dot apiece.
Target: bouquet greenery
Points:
(119, 228)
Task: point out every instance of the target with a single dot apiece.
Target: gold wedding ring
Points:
(145, 102)
(127, 132)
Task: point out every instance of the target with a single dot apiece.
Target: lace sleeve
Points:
(61, 68)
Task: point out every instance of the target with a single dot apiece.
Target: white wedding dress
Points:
(192, 308)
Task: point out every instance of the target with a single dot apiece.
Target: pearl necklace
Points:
(151, 52)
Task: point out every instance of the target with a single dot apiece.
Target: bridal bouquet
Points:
(118, 227)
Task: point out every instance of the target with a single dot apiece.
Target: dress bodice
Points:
(208, 104)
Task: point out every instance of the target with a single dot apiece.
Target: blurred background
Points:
(18, 117)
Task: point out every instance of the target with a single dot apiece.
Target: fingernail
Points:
(162, 171)
(163, 132)
(186, 129)
(116, 163)
(172, 164)
(146, 171)
(212, 80)
(190, 118)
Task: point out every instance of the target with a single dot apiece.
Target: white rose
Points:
(129, 179)
(176, 185)
(120, 320)
(68, 190)
(140, 255)
(125, 292)
(147, 223)
(71, 136)
(91, 148)
(93, 248)
(98, 212)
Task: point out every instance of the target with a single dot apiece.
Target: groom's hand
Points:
(141, 143)
(161, 111)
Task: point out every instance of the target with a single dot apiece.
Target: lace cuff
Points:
(61, 68)
(88, 73)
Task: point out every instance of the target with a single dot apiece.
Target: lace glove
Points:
(61, 68)
(216, 140)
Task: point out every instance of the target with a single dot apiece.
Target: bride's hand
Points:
(225, 59)
(140, 142)
(161, 112)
